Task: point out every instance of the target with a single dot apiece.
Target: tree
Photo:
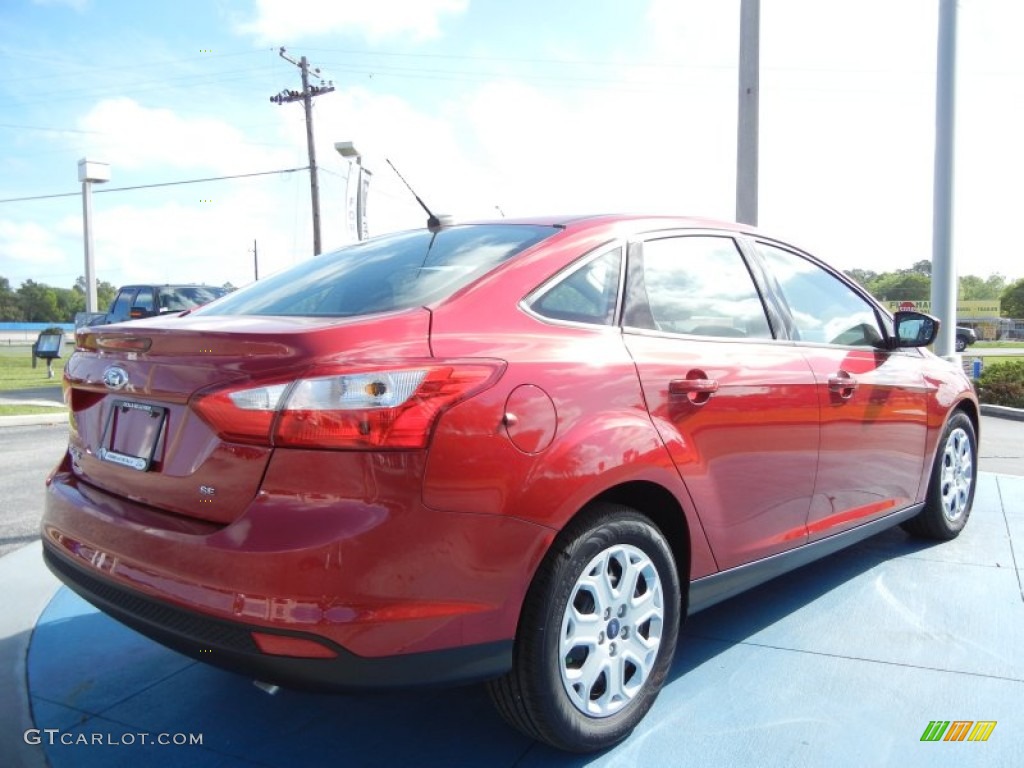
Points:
(39, 303)
(898, 286)
(10, 307)
(973, 288)
(105, 293)
(1013, 300)
(923, 267)
(69, 302)
(862, 276)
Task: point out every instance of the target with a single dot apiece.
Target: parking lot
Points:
(844, 662)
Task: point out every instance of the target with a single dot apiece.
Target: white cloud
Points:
(129, 135)
(289, 20)
(26, 243)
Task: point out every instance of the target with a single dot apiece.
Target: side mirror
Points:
(915, 329)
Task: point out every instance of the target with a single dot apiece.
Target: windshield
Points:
(386, 273)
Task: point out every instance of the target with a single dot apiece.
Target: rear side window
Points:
(697, 285)
(387, 273)
(587, 295)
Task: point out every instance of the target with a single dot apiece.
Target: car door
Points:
(873, 399)
(736, 408)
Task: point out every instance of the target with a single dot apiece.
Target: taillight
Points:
(350, 408)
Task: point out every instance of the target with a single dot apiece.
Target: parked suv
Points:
(137, 301)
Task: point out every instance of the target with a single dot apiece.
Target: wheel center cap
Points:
(613, 628)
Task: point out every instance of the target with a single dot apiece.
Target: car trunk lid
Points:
(132, 390)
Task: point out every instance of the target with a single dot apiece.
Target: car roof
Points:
(633, 220)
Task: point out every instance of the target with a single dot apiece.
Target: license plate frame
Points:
(130, 439)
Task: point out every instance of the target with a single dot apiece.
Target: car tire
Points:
(951, 488)
(961, 343)
(607, 593)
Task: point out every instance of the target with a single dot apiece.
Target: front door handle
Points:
(686, 386)
(842, 384)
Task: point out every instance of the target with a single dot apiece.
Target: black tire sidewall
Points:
(575, 730)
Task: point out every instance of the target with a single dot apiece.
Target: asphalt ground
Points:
(844, 662)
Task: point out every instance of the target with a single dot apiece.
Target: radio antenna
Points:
(433, 223)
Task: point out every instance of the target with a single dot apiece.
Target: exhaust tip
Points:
(268, 688)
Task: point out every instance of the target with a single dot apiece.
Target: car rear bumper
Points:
(230, 644)
(343, 593)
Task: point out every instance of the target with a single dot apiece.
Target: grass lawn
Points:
(27, 410)
(16, 371)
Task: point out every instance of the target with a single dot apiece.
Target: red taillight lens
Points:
(243, 415)
(364, 408)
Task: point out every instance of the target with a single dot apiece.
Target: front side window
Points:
(387, 273)
(144, 300)
(825, 310)
(123, 304)
(587, 295)
(697, 285)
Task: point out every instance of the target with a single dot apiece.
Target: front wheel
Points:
(597, 634)
(951, 488)
(961, 343)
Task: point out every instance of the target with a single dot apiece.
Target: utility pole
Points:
(306, 96)
(747, 118)
(255, 262)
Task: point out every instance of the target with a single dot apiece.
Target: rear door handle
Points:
(843, 384)
(697, 390)
(697, 386)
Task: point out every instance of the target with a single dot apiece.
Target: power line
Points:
(161, 184)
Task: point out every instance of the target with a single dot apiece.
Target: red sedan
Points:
(512, 451)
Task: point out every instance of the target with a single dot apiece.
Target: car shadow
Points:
(90, 675)
(735, 620)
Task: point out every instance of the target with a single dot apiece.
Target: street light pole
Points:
(747, 116)
(90, 172)
(944, 283)
(347, 150)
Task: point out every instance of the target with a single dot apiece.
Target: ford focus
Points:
(518, 452)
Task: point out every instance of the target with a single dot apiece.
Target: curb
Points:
(31, 420)
(1003, 412)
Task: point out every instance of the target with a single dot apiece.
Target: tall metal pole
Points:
(747, 117)
(944, 282)
(90, 259)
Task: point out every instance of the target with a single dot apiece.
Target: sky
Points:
(490, 108)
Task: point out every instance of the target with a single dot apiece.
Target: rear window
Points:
(175, 298)
(386, 273)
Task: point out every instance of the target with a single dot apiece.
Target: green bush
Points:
(1003, 384)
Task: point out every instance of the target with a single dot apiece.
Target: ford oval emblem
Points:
(115, 377)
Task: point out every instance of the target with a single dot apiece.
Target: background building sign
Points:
(964, 309)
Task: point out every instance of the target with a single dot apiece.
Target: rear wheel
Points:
(961, 343)
(597, 634)
(951, 488)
